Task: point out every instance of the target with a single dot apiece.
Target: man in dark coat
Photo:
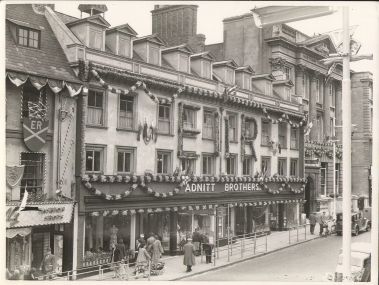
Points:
(189, 255)
(121, 248)
(207, 247)
(312, 222)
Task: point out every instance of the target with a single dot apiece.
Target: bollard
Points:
(201, 254)
(217, 245)
(148, 276)
(297, 234)
(305, 232)
(241, 248)
(266, 241)
(289, 236)
(228, 250)
(214, 256)
(255, 242)
(99, 272)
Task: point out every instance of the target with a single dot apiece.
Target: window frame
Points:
(284, 161)
(134, 113)
(42, 160)
(233, 139)
(250, 165)
(170, 162)
(280, 131)
(28, 30)
(194, 118)
(150, 48)
(180, 61)
(133, 163)
(98, 33)
(160, 119)
(103, 108)
(263, 142)
(233, 156)
(203, 69)
(211, 158)
(297, 167)
(128, 47)
(212, 126)
(268, 159)
(229, 71)
(188, 162)
(102, 150)
(292, 129)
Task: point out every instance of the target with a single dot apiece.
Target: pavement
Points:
(242, 250)
(307, 262)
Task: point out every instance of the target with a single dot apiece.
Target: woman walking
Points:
(143, 259)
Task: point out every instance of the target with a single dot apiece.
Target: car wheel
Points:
(368, 227)
(356, 231)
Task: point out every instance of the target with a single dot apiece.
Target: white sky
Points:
(211, 13)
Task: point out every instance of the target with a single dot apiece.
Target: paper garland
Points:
(284, 118)
(134, 87)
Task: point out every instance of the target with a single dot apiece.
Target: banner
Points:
(14, 175)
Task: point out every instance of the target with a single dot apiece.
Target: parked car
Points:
(360, 264)
(358, 223)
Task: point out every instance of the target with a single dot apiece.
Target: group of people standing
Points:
(148, 250)
(322, 220)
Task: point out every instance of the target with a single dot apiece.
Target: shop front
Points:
(173, 208)
(34, 230)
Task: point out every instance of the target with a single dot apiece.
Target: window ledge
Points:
(234, 141)
(208, 139)
(96, 127)
(126, 130)
(192, 131)
(165, 134)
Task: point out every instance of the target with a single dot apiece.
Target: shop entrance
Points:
(309, 187)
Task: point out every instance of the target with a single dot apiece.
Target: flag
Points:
(37, 110)
(330, 71)
(23, 202)
(308, 129)
(337, 36)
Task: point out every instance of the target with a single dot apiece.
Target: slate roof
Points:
(49, 61)
(65, 18)
(217, 51)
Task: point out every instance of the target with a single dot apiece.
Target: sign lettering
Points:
(228, 187)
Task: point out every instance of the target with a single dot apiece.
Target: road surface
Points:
(310, 261)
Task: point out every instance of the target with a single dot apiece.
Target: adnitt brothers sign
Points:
(223, 187)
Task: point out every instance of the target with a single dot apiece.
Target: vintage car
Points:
(359, 223)
(360, 264)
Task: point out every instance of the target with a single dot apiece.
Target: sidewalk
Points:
(175, 270)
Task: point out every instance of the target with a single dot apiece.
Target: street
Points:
(310, 261)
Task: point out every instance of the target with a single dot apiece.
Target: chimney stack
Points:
(177, 24)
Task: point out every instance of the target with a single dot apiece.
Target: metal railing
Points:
(295, 235)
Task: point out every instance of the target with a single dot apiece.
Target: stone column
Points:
(312, 106)
(327, 111)
(338, 108)
(297, 209)
(132, 231)
(267, 217)
(173, 232)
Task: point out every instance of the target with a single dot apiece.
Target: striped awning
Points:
(41, 214)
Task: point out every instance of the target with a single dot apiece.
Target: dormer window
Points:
(153, 55)
(183, 63)
(206, 69)
(229, 76)
(124, 46)
(95, 38)
(28, 37)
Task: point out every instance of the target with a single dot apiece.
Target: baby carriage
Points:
(157, 269)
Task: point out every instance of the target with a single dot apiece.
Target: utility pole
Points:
(346, 144)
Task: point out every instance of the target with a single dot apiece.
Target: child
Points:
(143, 259)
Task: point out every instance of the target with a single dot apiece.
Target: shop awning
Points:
(47, 214)
(11, 233)
(39, 82)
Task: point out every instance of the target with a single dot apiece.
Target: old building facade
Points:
(293, 59)
(172, 140)
(41, 91)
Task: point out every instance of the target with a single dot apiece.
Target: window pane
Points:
(128, 160)
(153, 55)
(183, 64)
(91, 98)
(99, 99)
(120, 162)
(89, 160)
(97, 161)
(124, 46)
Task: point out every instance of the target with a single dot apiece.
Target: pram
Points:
(157, 269)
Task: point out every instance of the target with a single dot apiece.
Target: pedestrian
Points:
(312, 222)
(115, 261)
(143, 259)
(189, 255)
(196, 238)
(48, 264)
(207, 247)
(121, 247)
(157, 251)
(149, 243)
(323, 222)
